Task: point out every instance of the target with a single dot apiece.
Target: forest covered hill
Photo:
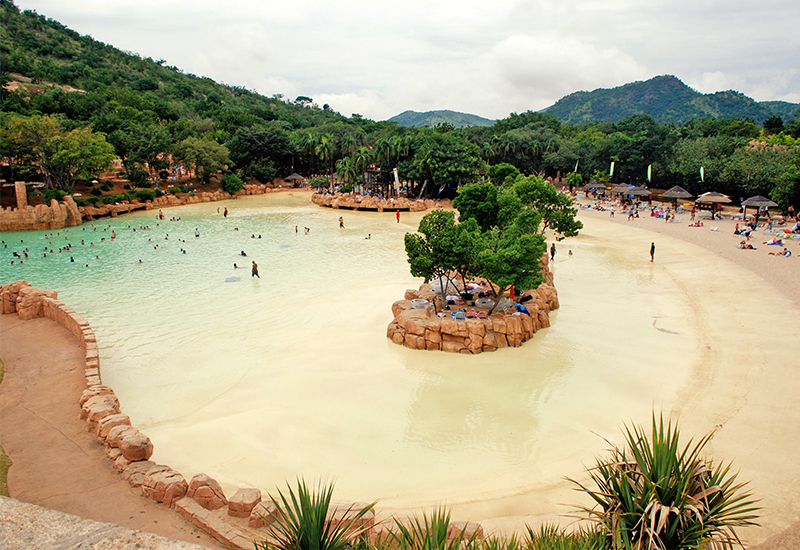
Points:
(667, 100)
(433, 118)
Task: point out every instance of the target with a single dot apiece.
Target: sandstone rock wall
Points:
(30, 218)
(235, 522)
(424, 329)
(353, 202)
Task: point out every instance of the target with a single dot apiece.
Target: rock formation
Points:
(424, 329)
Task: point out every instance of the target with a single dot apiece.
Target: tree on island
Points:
(442, 247)
(500, 235)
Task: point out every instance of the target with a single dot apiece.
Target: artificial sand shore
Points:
(56, 462)
(745, 306)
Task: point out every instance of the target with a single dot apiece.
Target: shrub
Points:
(145, 194)
(301, 522)
(127, 186)
(318, 181)
(345, 188)
(656, 494)
(428, 532)
(81, 202)
(111, 199)
(96, 191)
(138, 176)
(178, 189)
(50, 194)
(106, 186)
(231, 183)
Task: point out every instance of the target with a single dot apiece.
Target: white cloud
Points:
(379, 58)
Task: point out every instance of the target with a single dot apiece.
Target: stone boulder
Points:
(164, 485)
(135, 445)
(241, 504)
(110, 421)
(116, 434)
(207, 492)
(97, 408)
(135, 472)
(9, 296)
(29, 302)
(468, 530)
(94, 391)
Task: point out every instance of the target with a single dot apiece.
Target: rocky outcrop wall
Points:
(424, 329)
(31, 218)
(359, 202)
(235, 522)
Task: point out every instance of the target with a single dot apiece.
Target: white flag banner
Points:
(396, 182)
(650, 173)
(611, 171)
(702, 174)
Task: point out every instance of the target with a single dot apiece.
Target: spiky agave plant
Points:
(302, 521)
(429, 533)
(655, 494)
(551, 537)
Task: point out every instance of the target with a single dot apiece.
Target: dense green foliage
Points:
(500, 234)
(435, 118)
(667, 100)
(155, 116)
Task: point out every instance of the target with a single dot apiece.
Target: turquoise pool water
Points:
(257, 381)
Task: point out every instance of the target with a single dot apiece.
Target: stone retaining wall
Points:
(30, 218)
(424, 329)
(234, 522)
(358, 202)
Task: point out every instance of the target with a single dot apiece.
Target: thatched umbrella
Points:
(295, 176)
(712, 198)
(676, 193)
(757, 202)
(594, 184)
(639, 191)
(622, 189)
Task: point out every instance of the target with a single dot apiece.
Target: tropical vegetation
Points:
(152, 115)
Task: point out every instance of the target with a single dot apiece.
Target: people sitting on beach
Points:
(698, 223)
(242, 253)
(796, 228)
(774, 241)
(745, 246)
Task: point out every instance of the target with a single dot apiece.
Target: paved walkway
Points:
(56, 462)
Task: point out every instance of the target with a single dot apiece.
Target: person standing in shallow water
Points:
(552, 252)
(254, 272)
(341, 223)
(652, 251)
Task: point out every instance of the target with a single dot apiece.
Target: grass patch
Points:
(5, 462)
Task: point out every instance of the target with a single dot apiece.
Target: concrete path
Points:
(56, 462)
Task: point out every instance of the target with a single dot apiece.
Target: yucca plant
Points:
(550, 537)
(301, 521)
(654, 494)
(429, 533)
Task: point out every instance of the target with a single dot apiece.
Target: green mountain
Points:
(667, 100)
(434, 118)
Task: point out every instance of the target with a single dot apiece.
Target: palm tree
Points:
(325, 149)
(383, 150)
(346, 169)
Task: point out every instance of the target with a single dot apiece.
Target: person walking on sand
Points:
(398, 215)
(652, 251)
(552, 252)
(225, 213)
(254, 272)
(341, 222)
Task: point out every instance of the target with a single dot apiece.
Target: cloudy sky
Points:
(490, 58)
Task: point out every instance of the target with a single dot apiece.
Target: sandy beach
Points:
(739, 310)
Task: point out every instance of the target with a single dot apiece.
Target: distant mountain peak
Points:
(668, 100)
(433, 118)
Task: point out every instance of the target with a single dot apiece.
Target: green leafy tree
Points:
(498, 174)
(478, 202)
(203, 155)
(447, 159)
(441, 246)
(255, 148)
(556, 209)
